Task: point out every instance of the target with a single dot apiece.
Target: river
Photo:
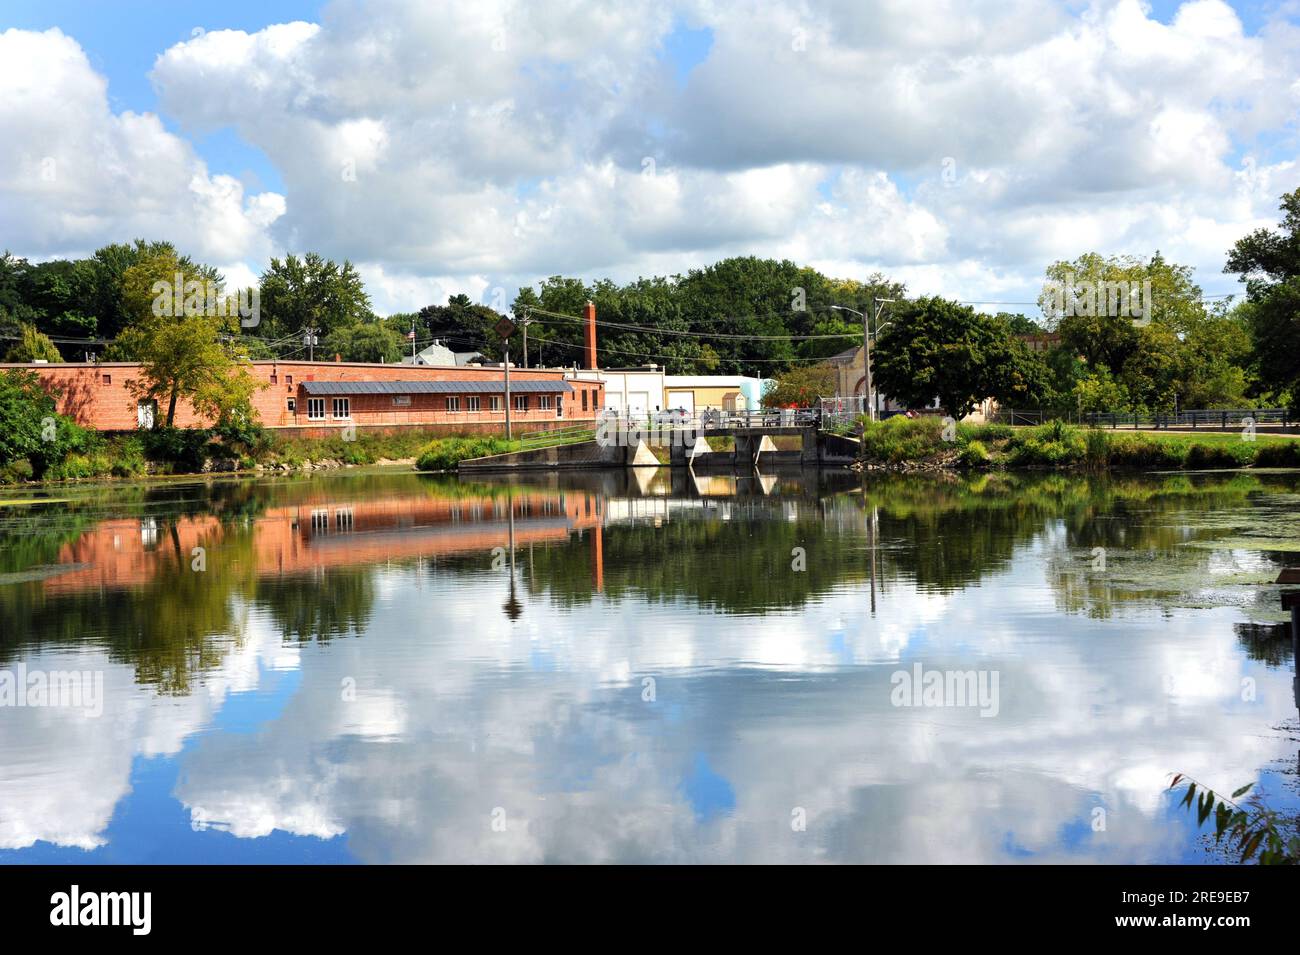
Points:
(635, 667)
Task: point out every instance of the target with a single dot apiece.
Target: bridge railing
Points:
(709, 420)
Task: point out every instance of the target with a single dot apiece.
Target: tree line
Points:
(743, 315)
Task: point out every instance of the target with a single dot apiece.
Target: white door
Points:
(638, 403)
(682, 399)
(145, 411)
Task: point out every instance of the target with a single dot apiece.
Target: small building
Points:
(697, 393)
(439, 355)
(320, 397)
(634, 392)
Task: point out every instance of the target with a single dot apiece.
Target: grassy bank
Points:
(92, 456)
(925, 442)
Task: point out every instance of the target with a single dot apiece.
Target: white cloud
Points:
(477, 145)
(74, 175)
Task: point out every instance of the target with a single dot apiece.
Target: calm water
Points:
(353, 669)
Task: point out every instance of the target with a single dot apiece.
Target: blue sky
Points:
(1063, 127)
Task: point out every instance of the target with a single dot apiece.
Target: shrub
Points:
(974, 455)
(443, 454)
(899, 439)
(183, 448)
(127, 457)
(1052, 445)
(1097, 450)
(1236, 454)
(1278, 454)
(1144, 451)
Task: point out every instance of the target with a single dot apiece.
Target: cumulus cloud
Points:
(485, 145)
(75, 175)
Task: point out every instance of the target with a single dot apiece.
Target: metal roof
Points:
(433, 387)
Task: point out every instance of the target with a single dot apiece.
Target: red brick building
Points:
(322, 396)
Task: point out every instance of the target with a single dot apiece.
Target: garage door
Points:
(638, 403)
(682, 399)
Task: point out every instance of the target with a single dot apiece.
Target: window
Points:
(521, 403)
(342, 408)
(401, 401)
(108, 379)
(275, 379)
(584, 399)
(288, 380)
(453, 402)
(316, 409)
(544, 402)
(472, 403)
(494, 403)
(292, 405)
(145, 413)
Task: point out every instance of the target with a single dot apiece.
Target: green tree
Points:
(33, 346)
(801, 386)
(937, 348)
(30, 428)
(1268, 262)
(184, 352)
(365, 341)
(310, 292)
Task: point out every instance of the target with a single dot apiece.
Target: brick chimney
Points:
(589, 313)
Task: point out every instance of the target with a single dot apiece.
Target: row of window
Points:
(342, 406)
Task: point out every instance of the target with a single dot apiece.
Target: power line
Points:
(691, 334)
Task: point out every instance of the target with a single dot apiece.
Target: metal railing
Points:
(545, 439)
(1014, 416)
(711, 419)
(1194, 418)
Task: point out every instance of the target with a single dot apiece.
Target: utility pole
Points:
(874, 307)
(309, 339)
(412, 339)
(866, 362)
(525, 322)
(507, 389)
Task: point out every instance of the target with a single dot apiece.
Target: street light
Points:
(866, 344)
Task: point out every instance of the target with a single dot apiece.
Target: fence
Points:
(1221, 418)
(1013, 416)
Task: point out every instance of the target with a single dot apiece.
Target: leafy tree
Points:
(935, 347)
(1268, 262)
(109, 265)
(30, 428)
(33, 346)
(186, 355)
(310, 292)
(801, 386)
(365, 341)
(462, 325)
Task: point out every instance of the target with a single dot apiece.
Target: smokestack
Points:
(589, 313)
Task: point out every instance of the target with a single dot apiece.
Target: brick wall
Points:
(99, 396)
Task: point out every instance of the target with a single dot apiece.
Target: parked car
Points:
(672, 416)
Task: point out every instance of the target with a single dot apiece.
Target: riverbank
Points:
(193, 452)
(909, 444)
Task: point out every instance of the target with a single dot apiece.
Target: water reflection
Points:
(642, 666)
